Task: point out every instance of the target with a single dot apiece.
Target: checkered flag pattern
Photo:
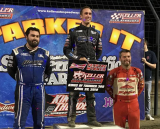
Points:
(115, 16)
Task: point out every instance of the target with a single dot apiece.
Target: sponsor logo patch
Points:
(126, 18)
(6, 13)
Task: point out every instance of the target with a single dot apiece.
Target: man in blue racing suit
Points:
(29, 65)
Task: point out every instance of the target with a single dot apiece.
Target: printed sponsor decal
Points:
(126, 87)
(58, 107)
(7, 107)
(78, 66)
(126, 80)
(108, 102)
(6, 13)
(126, 18)
(126, 92)
(90, 77)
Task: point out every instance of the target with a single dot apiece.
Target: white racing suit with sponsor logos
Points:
(85, 42)
(124, 86)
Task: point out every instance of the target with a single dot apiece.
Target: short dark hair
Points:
(31, 28)
(84, 8)
(123, 50)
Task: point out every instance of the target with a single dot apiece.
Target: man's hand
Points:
(144, 60)
(153, 66)
(84, 59)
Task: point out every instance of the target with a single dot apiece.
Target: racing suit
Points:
(29, 69)
(85, 42)
(124, 86)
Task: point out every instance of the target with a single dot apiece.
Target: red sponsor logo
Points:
(7, 107)
(6, 15)
(126, 80)
(78, 66)
(96, 67)
(59, 105)
(126, 92)
(126, 87)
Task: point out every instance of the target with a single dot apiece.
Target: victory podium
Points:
(83, 126)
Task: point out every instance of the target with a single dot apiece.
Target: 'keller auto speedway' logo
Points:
(78, 66)
(7, 107)
(6, 13)
(59, 105)
(126, 18)
(82, 77)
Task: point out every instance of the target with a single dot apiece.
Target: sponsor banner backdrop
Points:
(86, 77)
(118, 30)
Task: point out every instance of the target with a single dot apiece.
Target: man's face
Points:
(33, 38)
(125, 59)
(86, 16)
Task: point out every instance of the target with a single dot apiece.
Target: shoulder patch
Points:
(46, 52)
(15, 50)
(98, 31)
(72, 29)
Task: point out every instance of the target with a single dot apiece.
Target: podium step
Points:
(83, 126)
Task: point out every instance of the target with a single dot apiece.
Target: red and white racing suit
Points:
(124, 86)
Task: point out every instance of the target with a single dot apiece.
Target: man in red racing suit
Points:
(124, 84)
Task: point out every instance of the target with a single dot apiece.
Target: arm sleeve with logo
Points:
(12, 65)
(99, 47)
(141, 82)
(68, 46)
(109, 83)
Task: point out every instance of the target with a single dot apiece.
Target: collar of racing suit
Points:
(84, 27)
(30, 51)
(125, 70)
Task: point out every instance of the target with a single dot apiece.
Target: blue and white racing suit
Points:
(29, 69)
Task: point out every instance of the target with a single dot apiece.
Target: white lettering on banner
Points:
(86, 85)
(61, 79)
(72, 85)
(4, 62)
(101, 86)
(78, 89)
(94, 89)
(111, 60)
(61, 102)
(81, 106)
(6, 108)
(6, 10)
(86, 89)
(59, 65)
(60, 99)
(58, 57)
